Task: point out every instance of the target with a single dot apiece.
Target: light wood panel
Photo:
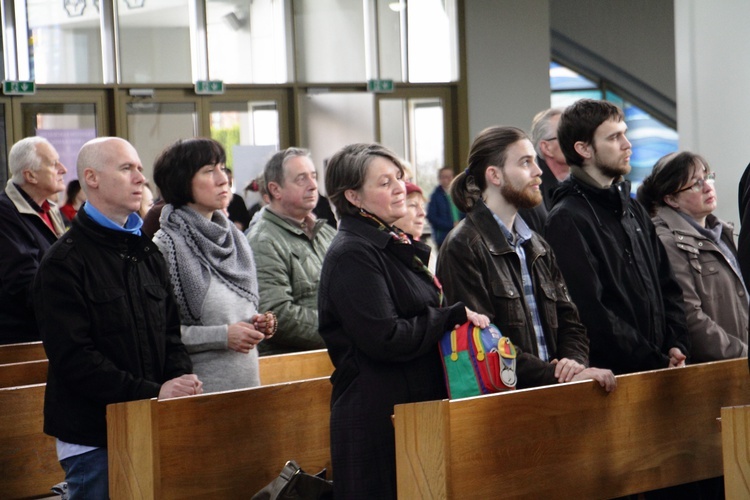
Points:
(574, 440)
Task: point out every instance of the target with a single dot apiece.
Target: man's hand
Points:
(566, 369)
(605, 378)
(186, 385)
(676, 358)
(242, 337)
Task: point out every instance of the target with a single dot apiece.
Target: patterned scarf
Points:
(401, 238)
(197, 248)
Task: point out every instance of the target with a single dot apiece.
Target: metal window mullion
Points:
(9, 40)
(404, 18)
(23, 68)
(198, 40)
(110, 37)
(372, 61)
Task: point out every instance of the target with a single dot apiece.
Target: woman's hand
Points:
(266, 323)
(479, 320)
(242, 337)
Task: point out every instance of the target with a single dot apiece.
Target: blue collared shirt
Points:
(523, 234)
(132, 225)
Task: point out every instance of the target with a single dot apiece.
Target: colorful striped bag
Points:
(477, 361)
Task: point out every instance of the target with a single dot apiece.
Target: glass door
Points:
(417, 124)
(152, 119)
(251, 125)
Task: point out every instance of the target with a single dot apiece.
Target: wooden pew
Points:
(28, 459)
(29, 456)
(274, 369)
(17, 353)
(735, 445)
(24, 373)
(221, 445)
(280, 368)
(657, 429)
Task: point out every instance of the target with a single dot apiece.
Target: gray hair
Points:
(541, 128)
(24, 156)
(347, 169)
(274, 169)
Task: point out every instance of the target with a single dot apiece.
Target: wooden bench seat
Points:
(24, 373)
(28, 458)
(17, 353)
(657, 429)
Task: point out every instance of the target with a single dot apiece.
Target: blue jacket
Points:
(440, 215)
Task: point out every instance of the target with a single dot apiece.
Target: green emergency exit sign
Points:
(380, 85)
(14, 87)
(209, 87)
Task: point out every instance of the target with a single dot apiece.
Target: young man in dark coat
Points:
(616, 268)
(495, 265)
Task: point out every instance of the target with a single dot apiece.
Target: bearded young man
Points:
(615, 266)
(497, 266)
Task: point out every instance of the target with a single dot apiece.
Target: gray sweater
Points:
(218, 367)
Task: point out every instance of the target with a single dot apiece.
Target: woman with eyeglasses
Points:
(679, 193)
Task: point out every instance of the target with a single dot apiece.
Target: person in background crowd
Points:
(495, 265)
(381, 315)
(549, 156)
(151, 220)
(74, 198)
(613, 262)
(107, 317)
(29, 224)
(237, 210)
(679, 193)
(441, 211)
(743, 241)
(413, 222)
(289, 244)
(211, 266)
(551, 161)
(147, 200)
(323, 209)
(258, 185)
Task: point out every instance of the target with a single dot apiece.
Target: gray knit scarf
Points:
(195, 248)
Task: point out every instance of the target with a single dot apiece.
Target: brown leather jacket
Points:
(715, 299)
(478, 267)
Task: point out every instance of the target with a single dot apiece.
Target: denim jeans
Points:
(87, 476)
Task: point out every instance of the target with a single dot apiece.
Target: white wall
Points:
(713, 102)
(507, 60)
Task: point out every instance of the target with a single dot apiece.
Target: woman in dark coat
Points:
(381, 314)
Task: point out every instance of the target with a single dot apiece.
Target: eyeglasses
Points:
(698, 185)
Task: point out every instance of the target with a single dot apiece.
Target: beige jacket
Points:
(716, 304)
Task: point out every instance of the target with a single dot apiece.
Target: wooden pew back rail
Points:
(221, 445)
(657, 429)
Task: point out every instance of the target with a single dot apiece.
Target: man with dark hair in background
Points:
(616, 268)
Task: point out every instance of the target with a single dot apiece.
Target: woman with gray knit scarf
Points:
(211, 266)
